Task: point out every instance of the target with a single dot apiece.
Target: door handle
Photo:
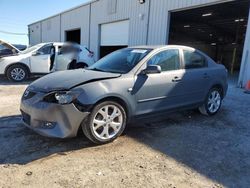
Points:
(176, 79)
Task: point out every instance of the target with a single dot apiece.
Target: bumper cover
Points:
(65, 119)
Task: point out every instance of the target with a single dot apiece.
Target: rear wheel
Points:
(17, 73)
(212, 103)
(106, 122)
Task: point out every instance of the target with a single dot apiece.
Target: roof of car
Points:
(60, 43)
(153, 47)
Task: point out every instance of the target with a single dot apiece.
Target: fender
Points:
(89, 96)
(17, 63)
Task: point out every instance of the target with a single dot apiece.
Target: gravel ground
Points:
(180, 150)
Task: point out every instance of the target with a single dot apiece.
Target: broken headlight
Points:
(61, 97)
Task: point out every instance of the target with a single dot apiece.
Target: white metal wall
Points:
(76, 19)
(51, 30)
(106, 11)
(35, 33)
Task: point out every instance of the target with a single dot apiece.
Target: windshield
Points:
(121, 61)
(30, 49)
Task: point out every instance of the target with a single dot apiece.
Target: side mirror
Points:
(152, 69)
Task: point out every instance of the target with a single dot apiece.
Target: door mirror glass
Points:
(152, 69)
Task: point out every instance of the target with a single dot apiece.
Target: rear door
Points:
(40, 60)
(66, 55)
(195, 80)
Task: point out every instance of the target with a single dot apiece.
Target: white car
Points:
(45, 58)
(6, 49)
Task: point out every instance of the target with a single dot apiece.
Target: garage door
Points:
(114, 36)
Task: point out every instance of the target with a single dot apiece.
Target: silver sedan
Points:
(126, 85)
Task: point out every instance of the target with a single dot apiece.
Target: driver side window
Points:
(168, 60)
(45, 50)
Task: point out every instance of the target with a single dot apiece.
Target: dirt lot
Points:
(182, 150)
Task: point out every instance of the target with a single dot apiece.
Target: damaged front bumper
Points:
(51, 119)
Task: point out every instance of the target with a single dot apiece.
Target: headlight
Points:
(61, 97)
(64, 98)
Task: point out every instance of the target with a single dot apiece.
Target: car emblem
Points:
(26, 93)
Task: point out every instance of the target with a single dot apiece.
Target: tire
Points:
(98, 127)
(17, 73)
(212, 103)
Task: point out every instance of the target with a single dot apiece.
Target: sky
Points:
(17, 14)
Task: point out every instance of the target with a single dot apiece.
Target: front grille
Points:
(26, 118)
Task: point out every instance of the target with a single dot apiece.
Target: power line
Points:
(12, 33)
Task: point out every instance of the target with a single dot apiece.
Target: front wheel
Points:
(106, 122)
(17, 73)
(212, 103)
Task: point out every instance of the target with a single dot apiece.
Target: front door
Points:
(40, 60)
(157, 92)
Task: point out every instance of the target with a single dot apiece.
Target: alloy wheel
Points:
(107, 122)
(17, 74)
(214, 101)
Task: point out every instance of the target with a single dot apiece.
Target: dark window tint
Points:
(45, 49)
(168, 60)
(121, 61)
(193, 60)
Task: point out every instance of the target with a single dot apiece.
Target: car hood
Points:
(66, 80)
(14, 57)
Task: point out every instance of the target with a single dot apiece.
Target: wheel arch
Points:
(220, 87)
(119, 100)
(17, 63)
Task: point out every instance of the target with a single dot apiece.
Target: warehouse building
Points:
(218, 27)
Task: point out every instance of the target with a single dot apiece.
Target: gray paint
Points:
(93, 86)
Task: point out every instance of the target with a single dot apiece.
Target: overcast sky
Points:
(17, 14)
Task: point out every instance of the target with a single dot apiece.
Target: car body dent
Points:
(130, 88)
(67, 118)
(109, 88)
(66, 80)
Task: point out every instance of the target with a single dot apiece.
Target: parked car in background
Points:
(45, 58)
(7, 49)
(125, 85)
(20, 47)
